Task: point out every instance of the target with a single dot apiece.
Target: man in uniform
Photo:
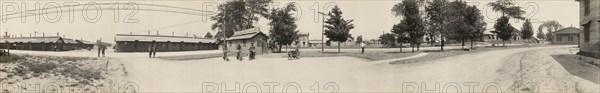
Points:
(362, 46)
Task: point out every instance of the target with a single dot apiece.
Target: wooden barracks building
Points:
(51, 43)
(141, 43)
(247, 38)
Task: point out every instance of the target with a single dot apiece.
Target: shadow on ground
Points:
(580, 66)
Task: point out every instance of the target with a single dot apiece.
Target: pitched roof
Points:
(246, 34)
(569, 30)
(85, 42)
(31, 39)
(70, 41)
(159, 38)
(489, 32)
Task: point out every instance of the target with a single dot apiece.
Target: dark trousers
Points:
(362, 51)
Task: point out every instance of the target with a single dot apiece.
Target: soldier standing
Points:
(362, 46)
(252, 52)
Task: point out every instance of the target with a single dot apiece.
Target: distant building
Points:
(489, 36)
(315, 43)
(589, 18)
(566, 36)
(348, 42)
(303, 39)
(246, 38)
(141, 43)
(52, 43)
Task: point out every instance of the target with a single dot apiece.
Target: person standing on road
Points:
(225, 53)
(99, 49)
(252, 52)
(239, 52)
(152, 50)
(362, 46)
(103, 50)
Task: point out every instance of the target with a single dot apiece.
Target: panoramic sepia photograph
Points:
(300, 46)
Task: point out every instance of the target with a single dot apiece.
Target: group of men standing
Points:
(251, 50)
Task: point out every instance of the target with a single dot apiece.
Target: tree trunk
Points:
(418, 46)
(432, 40)
(280, 45)
(412, 45)
(442, 44)
(462, 41)
(471, 43)
(503, 43)
(339, 44)
(400, 47)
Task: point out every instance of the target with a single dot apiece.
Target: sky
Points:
(93, 20)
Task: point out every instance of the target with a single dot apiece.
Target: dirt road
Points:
(532, 68)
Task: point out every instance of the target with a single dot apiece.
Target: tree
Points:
(465, 23)
(283, 25)
(412, 22)
(436, 13)
(540, 34)
(359, 39)
(237, 15)
(476, 21)
(527, 30)
(337, 28)
(508, 10)
(208, 35)
(503, 29)
(550, 26)
(401, 35)
(388, 39)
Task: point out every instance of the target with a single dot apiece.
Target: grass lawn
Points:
(436, 54)
(584, 67)
(370, 55)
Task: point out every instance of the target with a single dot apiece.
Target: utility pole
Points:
(323, 33)
(223, 30)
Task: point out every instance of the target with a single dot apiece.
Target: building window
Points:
(570, 37)
(586, 32)
(586, 7)
(559, 37)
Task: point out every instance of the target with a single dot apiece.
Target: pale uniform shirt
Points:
(362, 44)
